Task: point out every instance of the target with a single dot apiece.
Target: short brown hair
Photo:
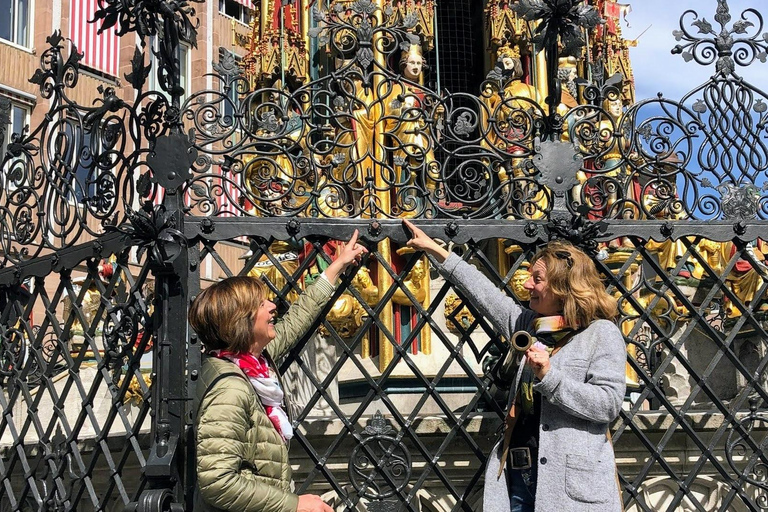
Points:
(573, 278)
(223, 314)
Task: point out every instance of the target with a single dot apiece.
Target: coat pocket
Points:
(588, 480)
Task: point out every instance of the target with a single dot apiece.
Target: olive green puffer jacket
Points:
(242, 462)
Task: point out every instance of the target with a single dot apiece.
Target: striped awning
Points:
(101, 51)
(247, 3)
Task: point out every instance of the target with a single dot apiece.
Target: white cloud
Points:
(656, 69)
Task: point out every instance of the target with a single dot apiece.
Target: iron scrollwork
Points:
(740, 446)
(717, 47)
(296, 151)
(708, 149)
(79, 165)
(378, 455)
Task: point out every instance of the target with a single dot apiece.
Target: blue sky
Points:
(656, 69)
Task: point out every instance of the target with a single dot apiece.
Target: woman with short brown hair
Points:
(242, 428)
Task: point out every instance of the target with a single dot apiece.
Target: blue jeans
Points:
(522, 489)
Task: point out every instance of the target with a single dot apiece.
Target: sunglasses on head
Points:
(565, 255)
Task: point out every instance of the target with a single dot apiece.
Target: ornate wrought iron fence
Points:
(668, 195)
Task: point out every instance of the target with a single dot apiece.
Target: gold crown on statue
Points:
(567, 62)
(507, 51)
(414, 49)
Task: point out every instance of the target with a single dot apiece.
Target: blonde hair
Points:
(573, 278)
(223, 314)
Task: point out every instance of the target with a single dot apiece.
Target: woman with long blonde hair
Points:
(555, 454)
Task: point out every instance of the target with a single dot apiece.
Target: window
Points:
(19, 118)
(72, 145)
(184, 65)
(85, 165)
(14, 21)
(235, 9)
(230, 109)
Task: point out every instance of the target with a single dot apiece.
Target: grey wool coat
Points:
(581, 394)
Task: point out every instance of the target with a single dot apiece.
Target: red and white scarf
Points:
(267, 387)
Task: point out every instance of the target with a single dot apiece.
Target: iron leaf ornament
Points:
(378, 426)
(170, 21)
(152, 229)
(739, 202)
(139, 72)
(56, 73)
(722, 47)
(148, 17)
(227, 65)
(578, 230)
(560, 19)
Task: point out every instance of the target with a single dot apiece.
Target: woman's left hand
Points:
(352, 253)
(538, 360)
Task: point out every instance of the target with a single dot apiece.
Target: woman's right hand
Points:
(419, 240)
(351, 253)
(312, 503)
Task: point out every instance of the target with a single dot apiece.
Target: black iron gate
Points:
(115, 215)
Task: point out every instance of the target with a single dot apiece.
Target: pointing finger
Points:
(353, 239)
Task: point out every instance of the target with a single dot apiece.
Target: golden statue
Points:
(265, 269)
(661, 201)
(743, 280)
(91, 301)
(363, 283)
(519, 278)
(347, 314)
(464, 317)
(354, 121)
(567, 73)
(416, 282)
(134, 394)
(411, 143)
(88, 307)
(662, 308)
(516, 91)
(505, 106)
(508, 125)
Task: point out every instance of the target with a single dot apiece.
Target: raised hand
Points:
(351, 253)
(420, 241)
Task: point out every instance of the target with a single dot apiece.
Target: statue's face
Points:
(508, 62)
(413, 65)
(572, 74)
(614, 108)
(519, 278)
